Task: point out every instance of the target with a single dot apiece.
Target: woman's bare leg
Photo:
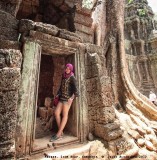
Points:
(58, 111)
(65, 111)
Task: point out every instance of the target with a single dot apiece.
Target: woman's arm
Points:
(74, 86)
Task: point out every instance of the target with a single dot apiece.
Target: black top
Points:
(68, 88)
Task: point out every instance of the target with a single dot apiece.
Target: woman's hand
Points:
(70, 100)
(72, 97)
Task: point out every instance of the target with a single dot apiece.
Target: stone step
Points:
(66, 141)
(67, 151)
(43, 144)
(91, 150)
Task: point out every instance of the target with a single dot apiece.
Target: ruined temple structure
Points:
(141, 45)
(37, 39)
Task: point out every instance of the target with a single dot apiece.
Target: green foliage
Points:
(87, 4)
(130, 1)
(141, 12)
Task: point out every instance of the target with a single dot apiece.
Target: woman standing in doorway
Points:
(67, 92)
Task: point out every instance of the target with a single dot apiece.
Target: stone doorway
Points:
(51, 70)
(28, 92)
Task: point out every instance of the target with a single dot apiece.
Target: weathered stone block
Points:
(69, 36)
(46, 28)
(95, 72)
(106, 115)
(8, 20)
(94, 98)
(88, 72)
(100, 130)
(92, 48)
(86, 38)
(2, 61)
(93, 57)
(26, 25)
(8, 114)
(42, 112)
(107, 98)
(112, 126)
(106, 82)
(84, 20)
(8, 101)
(9, 79)
(10, 58)
(6, 44)
(8, 127)
(91, 71)
(84, 29)
(91, 84)
(6, 150)
(9, 6)
(83, 11)
(8, 34)
(58, 3)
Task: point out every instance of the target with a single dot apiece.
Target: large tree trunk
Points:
(138, 113)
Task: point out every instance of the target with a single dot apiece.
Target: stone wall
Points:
(101, 102)
(10, 76)
(83, 24)
(99, 22)
(10, 6)
(59, 63)
(51, 69)
(45, 79)
(153, 58)
(8, 27)
(138, 31)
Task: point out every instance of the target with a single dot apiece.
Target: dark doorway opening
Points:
(51, 70)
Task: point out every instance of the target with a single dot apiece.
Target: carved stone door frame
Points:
(33, 46)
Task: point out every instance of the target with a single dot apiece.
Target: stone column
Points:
(27, 101)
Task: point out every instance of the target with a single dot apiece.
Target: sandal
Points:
(55, 138)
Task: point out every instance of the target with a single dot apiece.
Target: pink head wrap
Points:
(70, 66)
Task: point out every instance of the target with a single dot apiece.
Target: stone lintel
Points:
(69, 36)
(54, 44)
(46, 28)
(28, 25)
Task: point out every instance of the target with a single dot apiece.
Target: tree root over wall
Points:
(138, 131)
(138, 116)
